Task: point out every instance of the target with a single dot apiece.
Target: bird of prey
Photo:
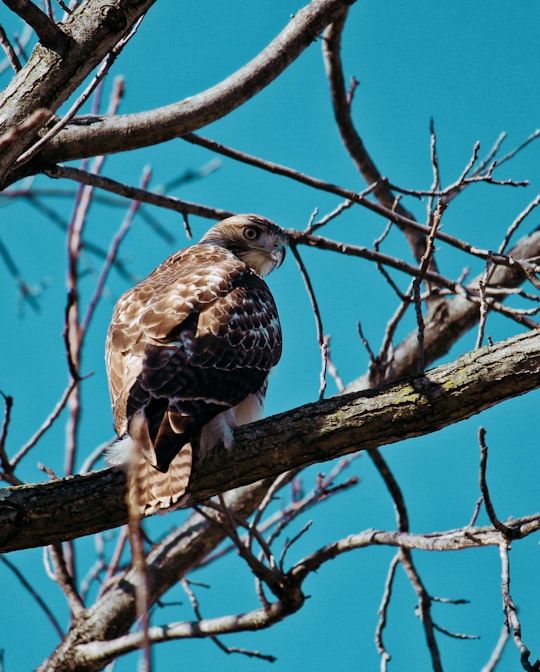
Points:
(188, 355)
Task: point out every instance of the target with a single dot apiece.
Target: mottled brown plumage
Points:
(188, 354)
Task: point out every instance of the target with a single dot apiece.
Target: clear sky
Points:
(473, 69)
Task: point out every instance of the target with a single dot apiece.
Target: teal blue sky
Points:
(472, 68)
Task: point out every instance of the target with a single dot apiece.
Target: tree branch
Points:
(50, 77)
(108, 134)
(447, 321)
(306, 435)
(50, 35)
(342, 105)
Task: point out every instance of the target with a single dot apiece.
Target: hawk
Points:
(188, 355)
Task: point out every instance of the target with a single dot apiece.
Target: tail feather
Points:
(149, 490)
(166, 489)
(157, 475)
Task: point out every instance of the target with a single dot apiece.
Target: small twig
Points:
(331, 367)
(27, 293)
(345, 205)
(23, 41)
(436, 184)
(98, 452)
(533, 136)
(490, 157)
(9, 50)
(507, 532)
(372, 358)
(266, 574)
(196, 609)
(454, 635)
(112, 254)
(289, 542)
(393, 488)
(271, 577)
(50, 34)
(64, 579)
(510, 612)
(497, 652)
(7, 467)
(114, 562)
(424, 607)
(49, 471)
(384, 358)
(318, 320)
(476, 512)
(516, 223)
(99, 565)
(484, 308)
(425, 264)
(48, 422)
(383, 611)
(278, 483)
(404, 556)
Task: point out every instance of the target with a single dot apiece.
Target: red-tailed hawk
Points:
(188, 354)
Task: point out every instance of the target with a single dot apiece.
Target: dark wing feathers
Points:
(200, 332)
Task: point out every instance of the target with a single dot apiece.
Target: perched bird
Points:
(188, 354)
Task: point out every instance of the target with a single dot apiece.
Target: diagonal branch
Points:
(341, 102)
(50, 35)
(306, 435)
(50, 77)
(108, 134)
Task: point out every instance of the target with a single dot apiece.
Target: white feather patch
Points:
(121, 453)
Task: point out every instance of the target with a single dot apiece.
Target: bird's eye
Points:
(251, 233)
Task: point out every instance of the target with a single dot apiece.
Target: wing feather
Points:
(188, 354)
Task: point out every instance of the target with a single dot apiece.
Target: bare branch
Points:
(64, 579)
(10, 52)
(510, 611)
(109, 134)
(307, 435)
(48, 423)
(341, 100)
(470, 292)
(508, 532)
(323, 347)
(137, 194)
(50, 35)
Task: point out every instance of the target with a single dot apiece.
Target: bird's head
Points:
(255, 240)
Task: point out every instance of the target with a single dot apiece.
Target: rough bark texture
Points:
(52, 73)
(306, 435)
(447, 320)
(92, 31)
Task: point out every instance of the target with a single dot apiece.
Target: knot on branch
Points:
(113, 19)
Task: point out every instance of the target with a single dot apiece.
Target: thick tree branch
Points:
(306, 435)
(50, 35)
(50, 76)
(108, 134)
(447, 321)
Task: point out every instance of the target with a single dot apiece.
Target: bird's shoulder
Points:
(190, 280)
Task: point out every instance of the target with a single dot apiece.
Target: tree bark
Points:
(51, 76)
(54, 72)
(306, 435)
